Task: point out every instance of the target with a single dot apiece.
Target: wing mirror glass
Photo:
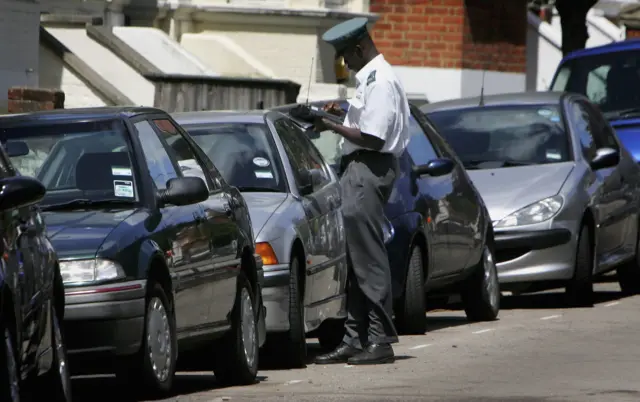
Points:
(605, 158)
(435, 167)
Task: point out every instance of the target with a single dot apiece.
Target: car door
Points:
(604, 184)
(623, 205)
(220, 232)
(435, 194)
(178, 233)
(320, 205)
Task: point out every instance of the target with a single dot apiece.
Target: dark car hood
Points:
(628, 131)
(80, 234)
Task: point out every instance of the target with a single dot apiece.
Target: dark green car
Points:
(156, 249)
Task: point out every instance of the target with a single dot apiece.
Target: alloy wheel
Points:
(248, 327)
(491, 278)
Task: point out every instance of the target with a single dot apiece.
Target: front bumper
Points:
(105, 318)
(537, 255)
(275, 295)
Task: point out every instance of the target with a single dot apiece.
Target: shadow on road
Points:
(551, 300)
(438, 323)
(105, 388)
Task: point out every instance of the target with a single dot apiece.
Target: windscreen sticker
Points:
(545, 112)
(264, 174)
(123, 188)
(120, 171)
(261, 162)
(555, 119)
(553, 155)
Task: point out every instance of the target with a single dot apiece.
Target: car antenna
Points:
(310, 75)
(482, 89)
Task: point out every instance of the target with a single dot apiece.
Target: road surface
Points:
(536, 351)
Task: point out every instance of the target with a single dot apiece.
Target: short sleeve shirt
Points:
(379, 108)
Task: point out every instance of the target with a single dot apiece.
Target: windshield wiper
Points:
(257, 189)
(476, 163)
(84, 203)
(630, 112)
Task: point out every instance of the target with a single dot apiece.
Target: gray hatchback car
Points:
(295, 206)
(561, 190)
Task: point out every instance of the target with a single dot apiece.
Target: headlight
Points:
(94, 270)
(535, 213)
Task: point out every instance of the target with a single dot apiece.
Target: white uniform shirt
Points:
(379, 108)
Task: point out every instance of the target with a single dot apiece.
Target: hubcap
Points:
(490, 277)
(12, 369)
(61, 354)
(159, 340)
(248, 327)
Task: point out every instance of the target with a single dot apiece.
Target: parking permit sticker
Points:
(545, 112)
(553, 155)
(262, 162)
(264, 174)
(120, 171)
(123, 188)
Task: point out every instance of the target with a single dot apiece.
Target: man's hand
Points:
(320, 124)
(333, 108)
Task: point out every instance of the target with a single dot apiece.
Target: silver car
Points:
(295, 206)
(561, 190)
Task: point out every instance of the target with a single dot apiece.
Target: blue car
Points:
(609, 76)
(443, 239)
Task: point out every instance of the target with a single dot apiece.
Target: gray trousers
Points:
(367, 181)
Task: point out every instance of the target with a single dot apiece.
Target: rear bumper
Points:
(106, 318)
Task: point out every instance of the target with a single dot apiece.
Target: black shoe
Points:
(340, 355)
(375, 353)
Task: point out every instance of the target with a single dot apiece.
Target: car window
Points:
(158, 161)
(506, 136)
(420, 148)
(245, 154)
(76, 159)
(181, 150)
(299, 150)
(603, 133)
(610, 80)
(584, 129)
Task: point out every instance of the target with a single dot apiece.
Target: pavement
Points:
(537, 351)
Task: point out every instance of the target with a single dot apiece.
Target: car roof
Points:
(620, 46)
(75, 114)
(524, 98)
(219, 116)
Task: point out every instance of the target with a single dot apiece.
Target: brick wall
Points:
(23, 100)
(470, 34)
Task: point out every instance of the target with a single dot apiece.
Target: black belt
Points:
(361, 155)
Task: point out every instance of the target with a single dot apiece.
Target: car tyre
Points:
(629, 273)
(294, 341)
(155, 364)
(9, 376)
(411, 311)
(579, 290)
(331, 333)
(57, 381)
(236, 360)
(481, 292)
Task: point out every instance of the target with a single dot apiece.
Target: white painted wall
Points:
(108, 65)
(19, 33)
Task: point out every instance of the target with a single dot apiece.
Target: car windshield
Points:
(610, 80)
(80, 164)
(244, 153)
(504, 136)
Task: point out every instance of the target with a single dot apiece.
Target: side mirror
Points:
(16, 148)
(435, 167)
(310, 179)
(20, 191)
(605, 158)
(184, 191)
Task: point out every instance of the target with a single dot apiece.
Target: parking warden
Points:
(374, 134)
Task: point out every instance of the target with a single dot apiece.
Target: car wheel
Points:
(293, 343)
(9, 376)
(629, 273)
(411, 311)
(331, 333)
(579, 291)
(155, 364)
(58, 380)
(236, 362)
(481, 294)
